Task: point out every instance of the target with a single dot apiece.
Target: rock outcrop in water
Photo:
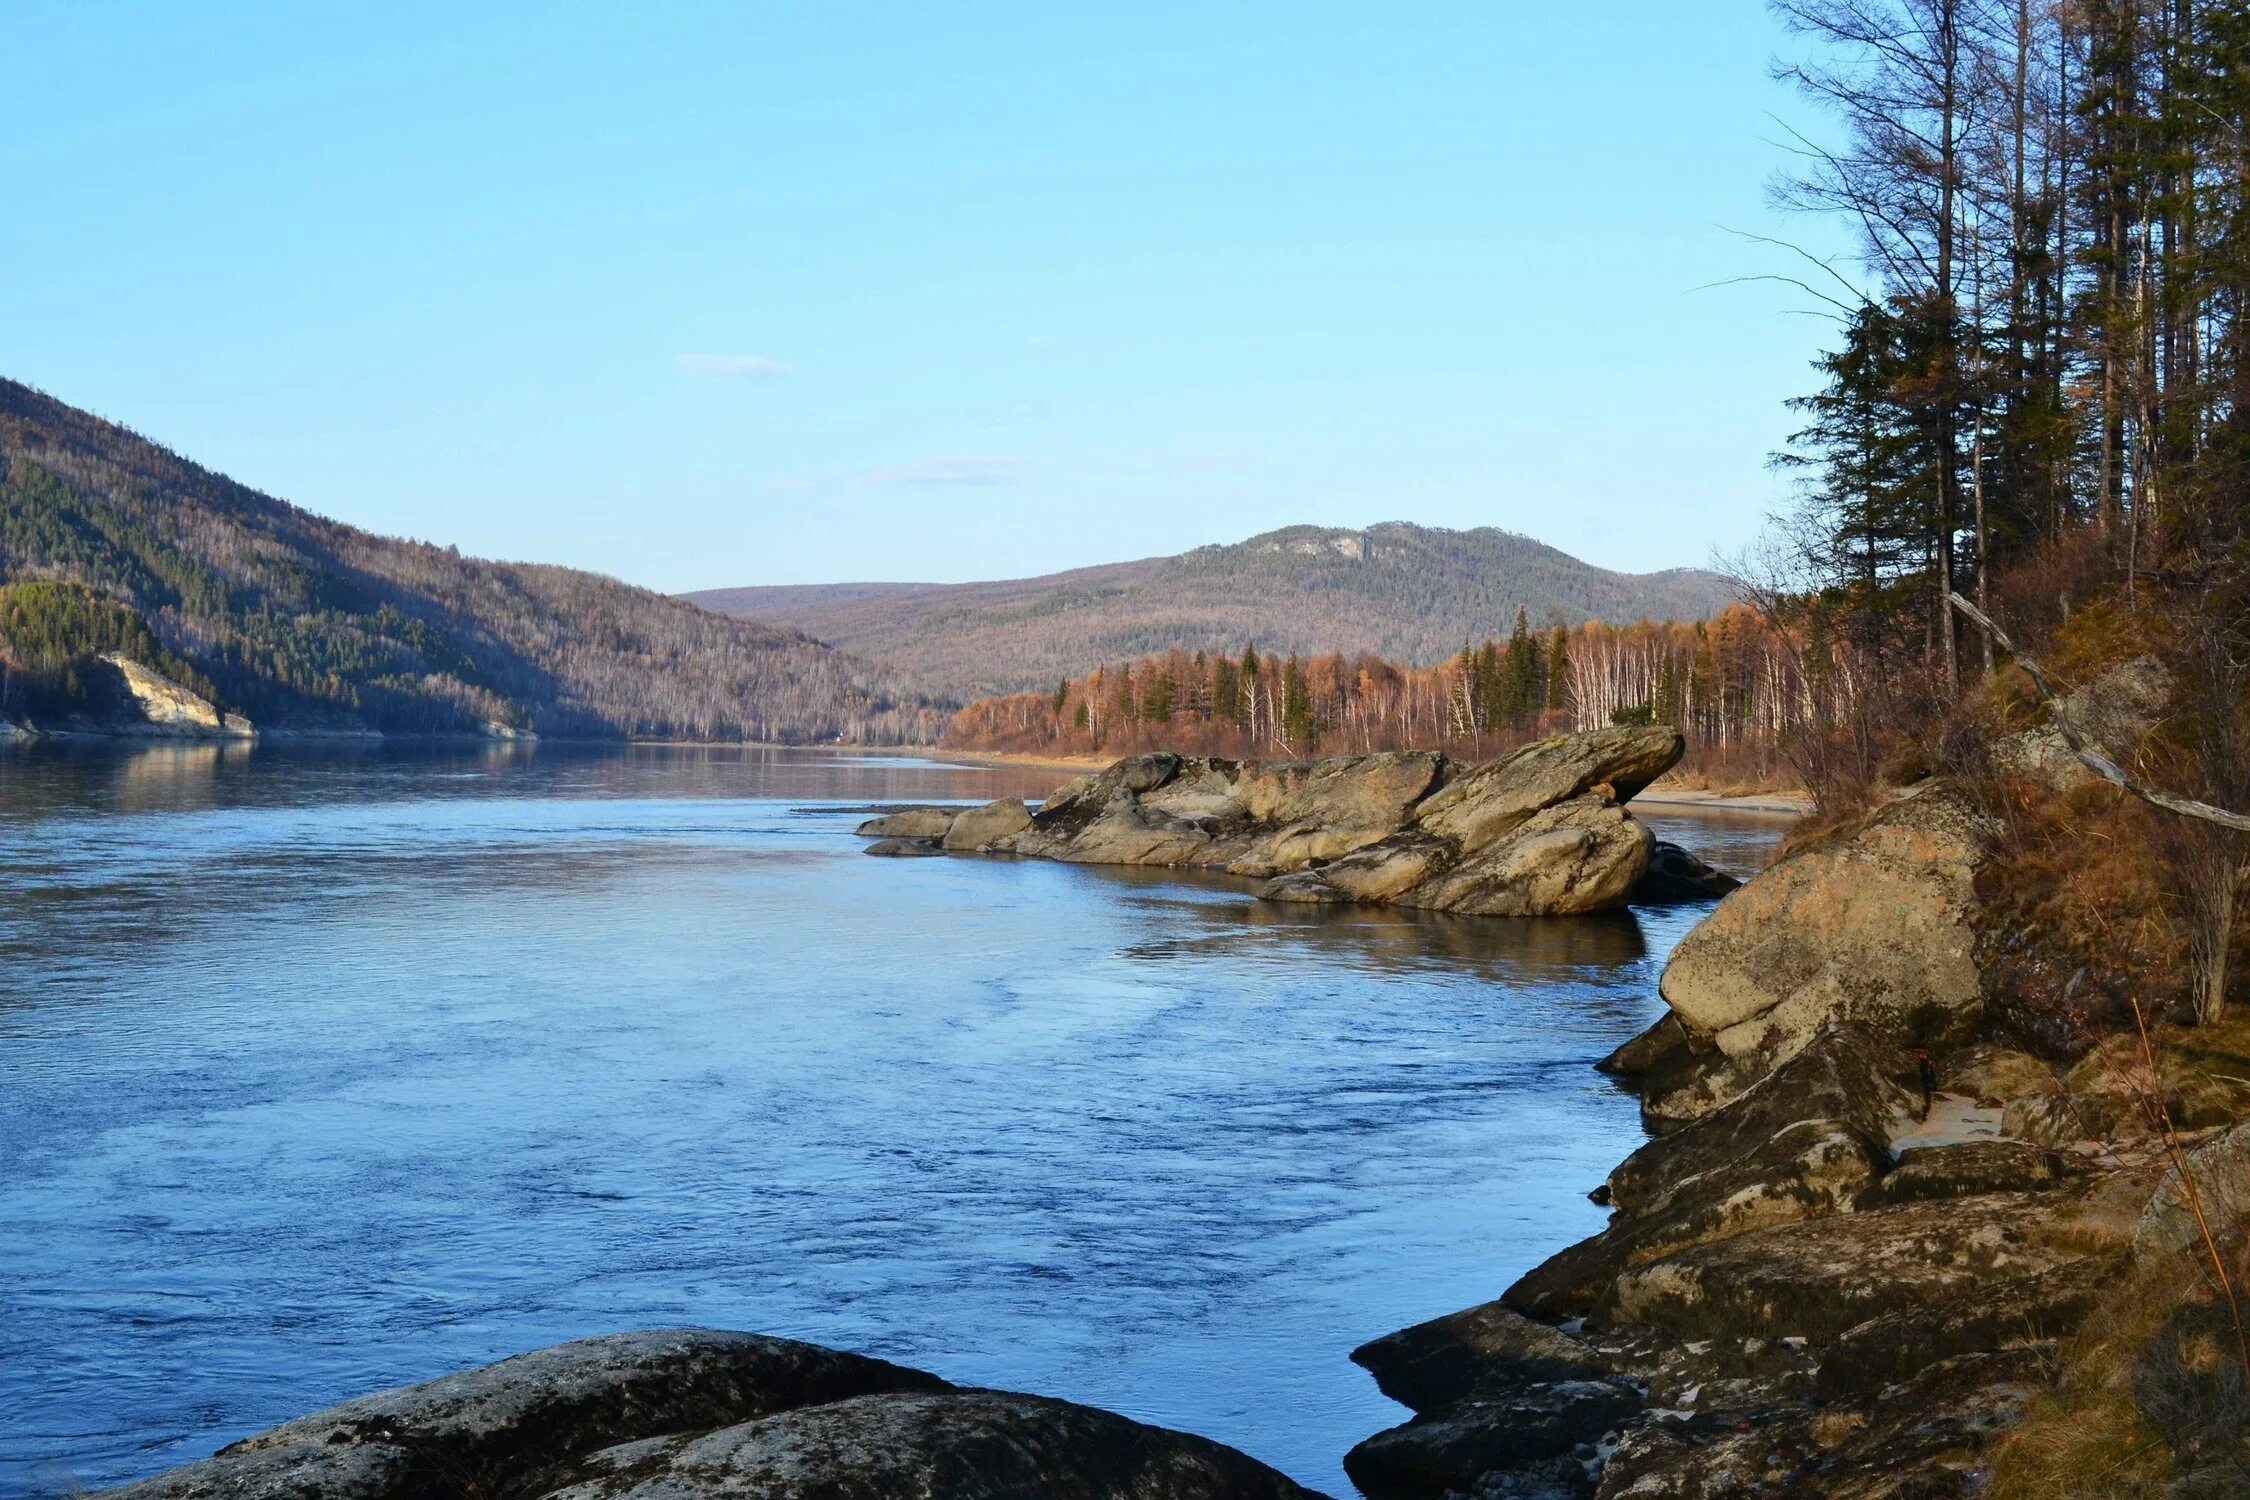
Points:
(688, 1413)
(1540, 832)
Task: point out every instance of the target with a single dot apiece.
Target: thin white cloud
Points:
(731, 366)
(956, 472)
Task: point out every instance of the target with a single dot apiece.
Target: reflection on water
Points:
(333, 1066)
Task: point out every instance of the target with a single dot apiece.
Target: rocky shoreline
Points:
(1867, 1214)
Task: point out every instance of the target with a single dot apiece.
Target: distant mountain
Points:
(1413, 593)
(303, 623)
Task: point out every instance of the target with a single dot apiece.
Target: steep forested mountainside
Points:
(1409, 593)
(301, 622)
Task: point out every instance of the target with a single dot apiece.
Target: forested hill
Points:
(1409, 593)
(301, 622)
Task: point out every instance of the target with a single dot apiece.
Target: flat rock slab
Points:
(903, 849)
(911, 823)
(1817, 1278)
(687, 1413)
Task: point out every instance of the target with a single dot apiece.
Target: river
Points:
(326, 1069)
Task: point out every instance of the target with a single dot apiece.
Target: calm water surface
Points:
(322, 1071)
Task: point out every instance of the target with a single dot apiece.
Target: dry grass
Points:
(2149, 1401)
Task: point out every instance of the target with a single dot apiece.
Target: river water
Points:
(327, 1070)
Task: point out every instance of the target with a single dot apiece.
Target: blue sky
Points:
(763, 293)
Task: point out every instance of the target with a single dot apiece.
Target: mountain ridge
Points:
(1403, 591)
(306, 623)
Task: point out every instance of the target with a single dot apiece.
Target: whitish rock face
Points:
(170, 709)
(1874, 926)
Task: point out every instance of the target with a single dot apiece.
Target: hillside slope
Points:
(304, 623)
(1406, 592)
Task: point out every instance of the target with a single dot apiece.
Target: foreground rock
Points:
(1809, 1289)
(1539, 832)
(691, 1412)
(1874, 924)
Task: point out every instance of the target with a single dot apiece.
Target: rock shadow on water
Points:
(1387, 939)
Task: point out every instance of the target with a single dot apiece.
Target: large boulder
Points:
(539, 1411)
(1329, 808)
(1541, 832)
(1875, 924)
(686, 1413)
(966, 1444)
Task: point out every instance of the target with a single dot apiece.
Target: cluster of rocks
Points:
(694, 1412)
(1840, 1265)
(1540, 832)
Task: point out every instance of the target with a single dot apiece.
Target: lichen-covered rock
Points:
(1875, 925)
(2113, 713)
(983, 827)
(911, 823)
(1927, 1438)
(1432, 1363)
(1963, 1169)
(1448, 1451)
(2220, 1170)
(1816, 1278)
(1845, 1075)
(953, 1445)
(691, 1413)
(2001, 1315)
(1812, 1167)
(1808, 1140)
(499, 1422)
